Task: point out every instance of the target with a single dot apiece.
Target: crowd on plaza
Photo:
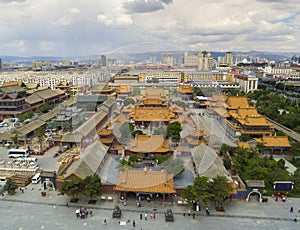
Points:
(83, 213)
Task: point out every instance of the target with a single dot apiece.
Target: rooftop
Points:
(145, 181)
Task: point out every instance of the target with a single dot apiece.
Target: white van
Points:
(2, 181)
(36, 179)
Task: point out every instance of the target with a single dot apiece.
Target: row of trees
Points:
(41, 109)
(89, 187)
(204, 189)
(270, 103)
(249, 165)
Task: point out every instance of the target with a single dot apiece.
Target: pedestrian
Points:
(151, 216)
(154, 216)
(77, 212)
(146, 216)
(91, 213)
(133, 223)
(295, 219)
(67, 204)
(105, 222)
(141, 216)
(207, 211)
(193, 215)
(292, 209)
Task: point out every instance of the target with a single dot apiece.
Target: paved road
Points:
(30, 210)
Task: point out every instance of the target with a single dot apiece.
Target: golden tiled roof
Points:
(216, 97)
(10, 83)
(107, 140)
(237, 102)
(244, 145)
(104, 132)
(145, 181)
(221, 111)
(124, 89)
(152, 114)
(185, 89)
(244, 112)
(254, 121)
(152, 101)
(148, 144)
(275, 141)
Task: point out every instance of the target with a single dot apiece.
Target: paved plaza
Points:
(30, 210)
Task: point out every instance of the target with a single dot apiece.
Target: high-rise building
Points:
(206, 61)
(228, 58)
(103, 60)
(190, 60)
(168, 59)
(1, 64)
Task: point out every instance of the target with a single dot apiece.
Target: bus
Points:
(16, 153)
(36, 178)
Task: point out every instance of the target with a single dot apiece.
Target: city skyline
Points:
(78, 28)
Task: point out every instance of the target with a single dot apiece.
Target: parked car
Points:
(3, 124)
(62, 149)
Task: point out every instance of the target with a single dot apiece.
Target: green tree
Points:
(199, 191)
(43, 109)
(220, 188)
(163, 158)
(296, 180)
(73, 188)
(198, 92)
(137, 132)
(10, 187)
(225, 149)
(227, 162)
(173, 131)
(92, 186)
(129, 162)
(22, 117)
(40, 133)
(245, 137)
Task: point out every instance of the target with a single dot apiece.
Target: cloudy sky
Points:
(86, 27)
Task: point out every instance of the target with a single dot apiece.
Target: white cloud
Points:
(90, 26)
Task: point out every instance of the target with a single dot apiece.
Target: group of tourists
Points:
(83, 213)
(152, 216)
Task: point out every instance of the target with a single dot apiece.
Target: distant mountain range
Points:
(140, 57)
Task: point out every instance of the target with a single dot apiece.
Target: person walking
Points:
(146, 216)
(77, 213)
(292, 209)
(133, 223)
(207, 211)
(295, 219)
(141, 216)
(105, 222)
